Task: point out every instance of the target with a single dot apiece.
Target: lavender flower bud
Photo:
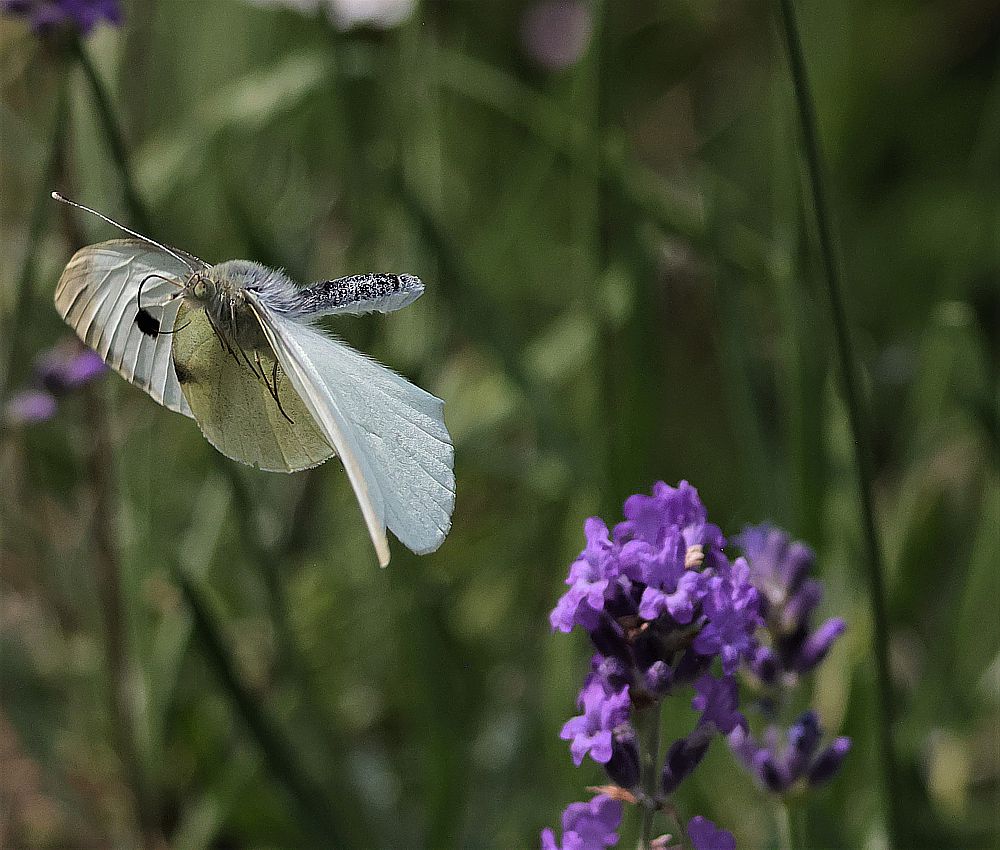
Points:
(623, 767)
(798, 563)
(800, 606)
(828, 764)
(682, 758)
(658, 678)
(771, 772)
(818, 644)
(803, 739)
(765, 665)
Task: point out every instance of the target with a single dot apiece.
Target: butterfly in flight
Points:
(235, 347)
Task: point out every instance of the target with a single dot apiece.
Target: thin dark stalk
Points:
(650, 774)
(115, 139)
(851, 389)
(276, 748)
(100, 464)
(268, 560)
(36, 228)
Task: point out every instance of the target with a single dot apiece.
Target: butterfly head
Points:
(201, 288)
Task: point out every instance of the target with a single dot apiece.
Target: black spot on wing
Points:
(147, 323)
(183, 375)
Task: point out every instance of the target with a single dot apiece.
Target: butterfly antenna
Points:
(62, 199)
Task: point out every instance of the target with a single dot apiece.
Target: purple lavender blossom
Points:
(29, 407)
(590, 579)
(82, 15)
(718, 700)
(732, 606)
(556, 33)
(778, 764)
(828, 762)
(660, 602)
(705, 835)
(591, 732)
(587, 826)
(651, 518)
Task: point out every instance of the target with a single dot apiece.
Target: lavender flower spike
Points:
(779, 766)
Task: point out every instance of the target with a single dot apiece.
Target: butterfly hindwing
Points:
(235, 409)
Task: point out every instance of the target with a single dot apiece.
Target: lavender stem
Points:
(650, 737)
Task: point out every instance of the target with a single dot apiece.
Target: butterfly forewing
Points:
(234, 407)
(389, 433)
(97, 296)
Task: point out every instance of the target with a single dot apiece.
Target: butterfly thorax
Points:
(224, 292)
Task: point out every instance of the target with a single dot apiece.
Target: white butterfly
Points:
(233, 346)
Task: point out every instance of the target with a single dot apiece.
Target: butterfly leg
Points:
(272, 386)
(277, 397)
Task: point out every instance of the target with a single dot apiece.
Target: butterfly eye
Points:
(200, 289)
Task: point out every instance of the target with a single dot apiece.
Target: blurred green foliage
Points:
(622, 288)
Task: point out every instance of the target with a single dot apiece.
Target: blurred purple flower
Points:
(67, 367)
(29, 407)
(556, 33)
(592, 731)
(705, 835)
(58, 372)
(778, 765)
(587, 826)
(779, 569)
(83, 15)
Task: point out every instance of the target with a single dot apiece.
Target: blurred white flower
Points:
(345, 14)
(384, 14)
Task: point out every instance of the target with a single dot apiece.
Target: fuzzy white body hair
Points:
(353, 295)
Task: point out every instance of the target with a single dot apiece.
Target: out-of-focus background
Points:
(606, 202)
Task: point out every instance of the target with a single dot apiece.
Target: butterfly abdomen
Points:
(357, 294)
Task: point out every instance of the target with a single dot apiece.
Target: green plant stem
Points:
(784, 820)
(114, 137)
(851, 389)
(650, 740)
(100, 465)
